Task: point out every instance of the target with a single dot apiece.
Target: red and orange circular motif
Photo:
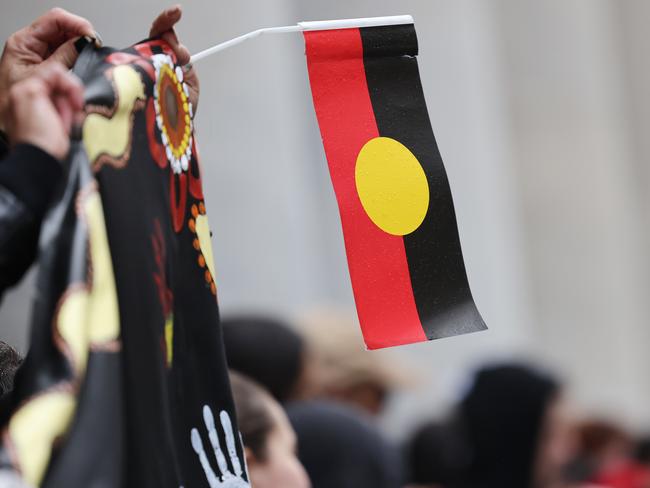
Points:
(173, 112)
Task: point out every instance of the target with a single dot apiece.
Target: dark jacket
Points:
(28, 178)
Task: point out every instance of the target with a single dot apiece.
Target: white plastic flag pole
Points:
(306, 26)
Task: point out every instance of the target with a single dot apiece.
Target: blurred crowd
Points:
(309, 399)
(512, 427)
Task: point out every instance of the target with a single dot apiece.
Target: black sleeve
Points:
(28, 178)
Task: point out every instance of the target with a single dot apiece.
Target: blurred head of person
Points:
(10, 361)
(340, 448)
(517, 429)
(268, 438)
(435, 456)
(339, 366)
(266, 350)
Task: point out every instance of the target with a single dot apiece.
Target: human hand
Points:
(50, 38)
(42, 109)
(163, 27)
(227, 479)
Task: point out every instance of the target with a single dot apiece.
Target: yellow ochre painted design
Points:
(91, 317)
(203, 232)
(110, 134)
(35, 427)
(88, 318)
(392, 186)
(169, 339)
(198, 224)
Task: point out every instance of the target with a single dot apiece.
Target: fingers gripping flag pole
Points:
(399, 224)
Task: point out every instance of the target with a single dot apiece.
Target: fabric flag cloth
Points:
(399, 225)
(125, 383)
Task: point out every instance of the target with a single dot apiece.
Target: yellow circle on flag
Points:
(392, 186)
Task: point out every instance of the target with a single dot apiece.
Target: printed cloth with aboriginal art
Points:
(125, 382)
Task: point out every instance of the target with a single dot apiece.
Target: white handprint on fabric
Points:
(227, 479)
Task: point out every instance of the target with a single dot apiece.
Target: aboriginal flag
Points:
(399, 224)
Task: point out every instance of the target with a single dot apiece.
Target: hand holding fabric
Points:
(42, 109)
(163, 27)
(49, 39)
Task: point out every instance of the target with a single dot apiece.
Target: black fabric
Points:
(340, 448)
(502, 416)
(153, 398)
(158, 280)
(28, 179)
(92, 452)
(278, 367)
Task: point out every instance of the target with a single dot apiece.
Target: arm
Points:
(26, 186)
(37, 121)
(41, 111)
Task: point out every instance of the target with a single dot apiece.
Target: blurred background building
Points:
(542, 114)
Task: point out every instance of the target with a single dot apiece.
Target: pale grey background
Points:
(541, 111)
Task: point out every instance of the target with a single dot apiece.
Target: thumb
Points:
(67, 53)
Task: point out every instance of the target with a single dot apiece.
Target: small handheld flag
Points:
(399, 224)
